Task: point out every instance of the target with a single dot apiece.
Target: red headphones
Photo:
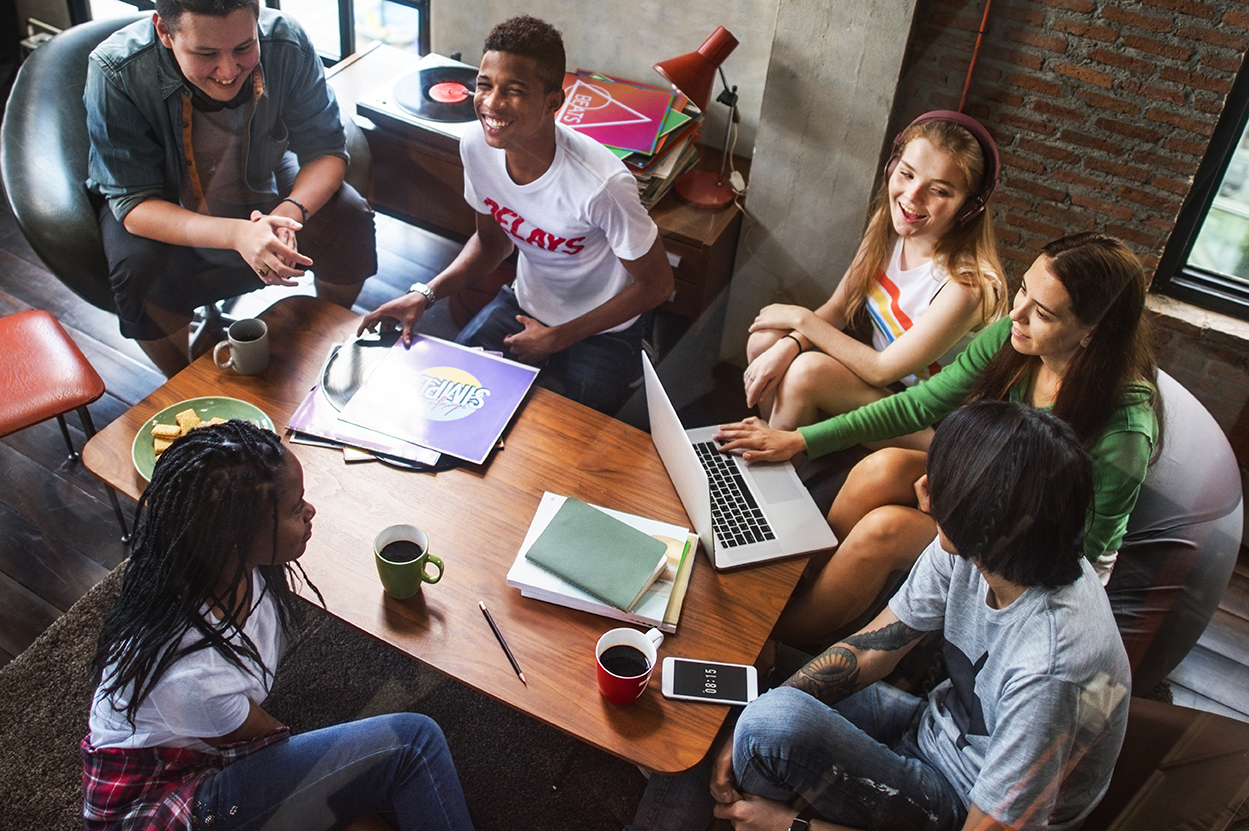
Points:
(975, 204)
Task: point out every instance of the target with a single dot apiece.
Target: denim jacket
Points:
(134, 113)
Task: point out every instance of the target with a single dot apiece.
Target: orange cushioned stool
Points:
(45, 375)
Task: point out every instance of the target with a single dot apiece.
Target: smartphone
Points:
(709, 681)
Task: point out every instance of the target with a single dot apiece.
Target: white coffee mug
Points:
(248, 342)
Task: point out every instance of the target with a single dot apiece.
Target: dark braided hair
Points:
(1011, 487)
(213, 493)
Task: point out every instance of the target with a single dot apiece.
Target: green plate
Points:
(144, 455)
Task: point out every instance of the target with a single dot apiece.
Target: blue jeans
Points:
(398, 765)
(598, 371)
(857, 764)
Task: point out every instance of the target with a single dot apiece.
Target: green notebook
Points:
(599, 554)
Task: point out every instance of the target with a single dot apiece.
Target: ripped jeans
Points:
(857, 764)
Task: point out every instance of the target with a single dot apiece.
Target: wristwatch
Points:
(800, 824)
(421, 288)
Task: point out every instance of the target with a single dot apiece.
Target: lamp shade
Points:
(695, 73)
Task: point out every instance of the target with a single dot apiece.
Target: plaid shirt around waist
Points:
(152, 788)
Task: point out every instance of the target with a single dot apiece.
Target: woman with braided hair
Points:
(1075, 342)
(187, 655)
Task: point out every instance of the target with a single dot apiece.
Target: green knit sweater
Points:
(1120, 454)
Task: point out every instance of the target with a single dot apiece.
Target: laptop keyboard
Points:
(735, 516)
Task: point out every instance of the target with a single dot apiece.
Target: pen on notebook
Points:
(502, 642)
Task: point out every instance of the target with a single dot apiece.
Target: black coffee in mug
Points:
(402, 551)
(625, 661)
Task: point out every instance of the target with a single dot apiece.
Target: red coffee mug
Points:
(630, 660)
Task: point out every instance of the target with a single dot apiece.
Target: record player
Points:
(436, 98)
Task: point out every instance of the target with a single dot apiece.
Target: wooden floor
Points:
(58, 534)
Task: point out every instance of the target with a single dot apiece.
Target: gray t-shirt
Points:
(217, 142)
(1030, 723)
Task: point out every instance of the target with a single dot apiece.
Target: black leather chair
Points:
(43, 159)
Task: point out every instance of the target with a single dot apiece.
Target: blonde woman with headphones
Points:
(926, 276)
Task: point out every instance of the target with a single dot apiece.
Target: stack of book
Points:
(622, 566)
(649, 127)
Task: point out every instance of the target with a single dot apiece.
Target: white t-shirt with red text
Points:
(572, 226)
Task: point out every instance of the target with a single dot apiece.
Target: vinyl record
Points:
(440, 93)
(350, 364)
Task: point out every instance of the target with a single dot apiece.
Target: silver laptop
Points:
(744, 513)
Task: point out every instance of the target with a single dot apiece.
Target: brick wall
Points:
(1207, 353)
(1102, 110)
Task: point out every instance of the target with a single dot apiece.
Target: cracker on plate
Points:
(163, 435)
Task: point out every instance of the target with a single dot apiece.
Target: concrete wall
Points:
(627, 39)
(829, 93)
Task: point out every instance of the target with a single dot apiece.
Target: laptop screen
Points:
(679, 458)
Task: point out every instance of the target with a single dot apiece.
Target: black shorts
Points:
(340, 239)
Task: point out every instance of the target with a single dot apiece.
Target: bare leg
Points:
(881, 532)
(817, 385)
(887, 477)
(914, 441)
(887, 540)
(759, 343)
(339, 295)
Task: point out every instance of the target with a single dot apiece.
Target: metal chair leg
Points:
(121, 517)
(88, 427)
(73, 454)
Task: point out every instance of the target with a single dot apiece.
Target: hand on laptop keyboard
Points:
(759, 442)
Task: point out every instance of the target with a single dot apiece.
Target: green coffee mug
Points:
(402, 556)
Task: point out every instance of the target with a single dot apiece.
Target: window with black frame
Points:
(337, 27)
(1206, 261)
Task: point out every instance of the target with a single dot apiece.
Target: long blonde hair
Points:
(967, 252)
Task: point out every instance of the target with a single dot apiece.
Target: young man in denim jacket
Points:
(219, 154)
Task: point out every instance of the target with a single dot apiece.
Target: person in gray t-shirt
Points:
(1025, 732)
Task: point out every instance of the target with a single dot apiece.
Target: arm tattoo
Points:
(894, 636)
(830, 677)
(835, 674)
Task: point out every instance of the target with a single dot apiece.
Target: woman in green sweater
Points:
(1075, 342)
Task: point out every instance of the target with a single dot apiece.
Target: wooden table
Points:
(476, 518)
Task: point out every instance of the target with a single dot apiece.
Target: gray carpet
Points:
(516, 772)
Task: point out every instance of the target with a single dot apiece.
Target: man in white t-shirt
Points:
(591, 264)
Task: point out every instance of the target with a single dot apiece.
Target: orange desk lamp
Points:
(694, 74)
